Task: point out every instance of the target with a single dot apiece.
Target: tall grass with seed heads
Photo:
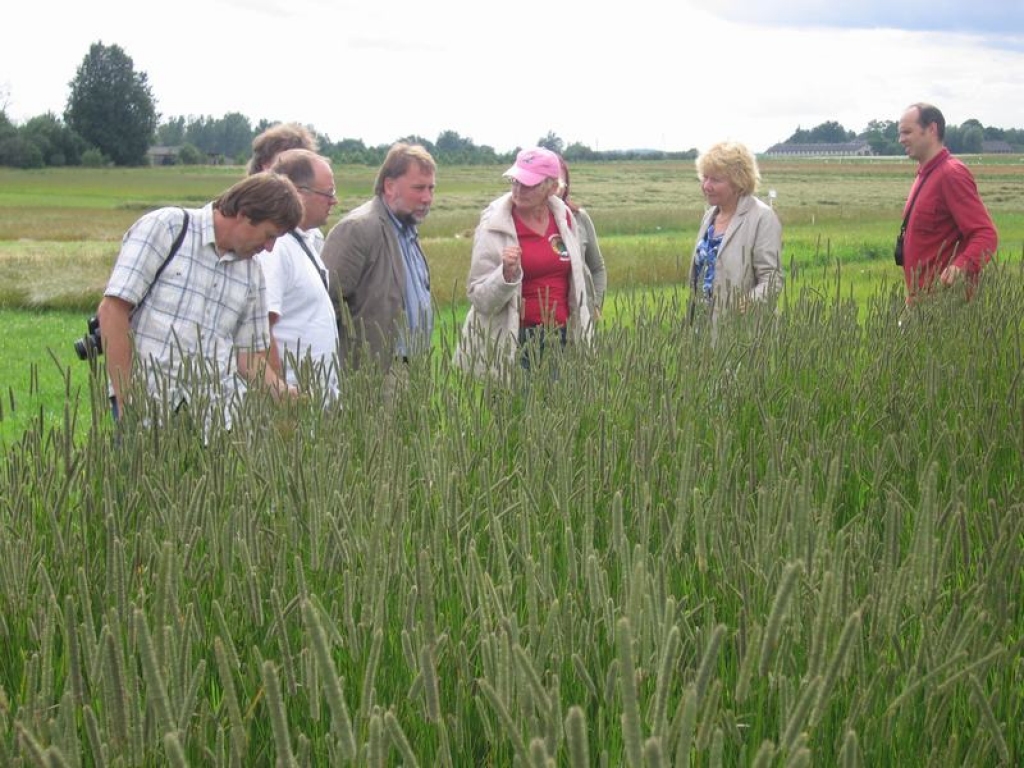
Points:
(800, 545)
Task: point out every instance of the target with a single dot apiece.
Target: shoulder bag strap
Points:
(312, 259)
(170, 255)
(913, 199)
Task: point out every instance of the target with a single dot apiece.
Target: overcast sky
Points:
(661, 74)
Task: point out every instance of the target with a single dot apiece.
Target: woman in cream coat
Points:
(736, 259)
(551, 272)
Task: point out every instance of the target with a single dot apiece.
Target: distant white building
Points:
(855, 148)
(996, 147)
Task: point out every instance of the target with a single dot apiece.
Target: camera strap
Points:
(174, 249)
(913, 199)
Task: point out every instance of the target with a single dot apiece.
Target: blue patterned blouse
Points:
(707, 252)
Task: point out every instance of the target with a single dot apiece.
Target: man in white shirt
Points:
(303, 327)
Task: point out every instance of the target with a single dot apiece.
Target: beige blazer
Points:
(749, 263)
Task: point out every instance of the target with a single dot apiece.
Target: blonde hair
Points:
(732, 161)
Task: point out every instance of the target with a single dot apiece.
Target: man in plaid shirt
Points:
(205, 313)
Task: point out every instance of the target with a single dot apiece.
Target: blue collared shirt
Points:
(418, 309)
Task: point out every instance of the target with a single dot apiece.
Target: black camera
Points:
(897, 253)
(90, 346)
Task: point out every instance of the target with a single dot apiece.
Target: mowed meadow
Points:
(803, 545)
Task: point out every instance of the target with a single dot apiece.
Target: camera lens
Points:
(88, 348)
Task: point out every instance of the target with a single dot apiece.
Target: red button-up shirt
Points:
(949, 224)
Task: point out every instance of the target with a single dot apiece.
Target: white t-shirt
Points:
(306, 330)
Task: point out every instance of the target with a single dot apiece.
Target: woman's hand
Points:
(511, 259)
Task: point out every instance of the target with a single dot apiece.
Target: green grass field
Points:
(803, 545)
(60, 230)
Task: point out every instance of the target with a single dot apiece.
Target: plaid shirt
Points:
(202, 311)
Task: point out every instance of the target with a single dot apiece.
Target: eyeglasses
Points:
(332, 195)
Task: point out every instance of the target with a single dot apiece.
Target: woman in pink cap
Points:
(527, 284)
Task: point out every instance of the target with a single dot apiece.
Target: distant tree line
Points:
(229, 139)
(883, 136)
(111, 119)
(49, 141)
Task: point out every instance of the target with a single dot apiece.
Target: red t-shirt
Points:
(546, 272)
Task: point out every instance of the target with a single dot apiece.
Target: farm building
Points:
(857, 148)
(163, 155)
(996, 147)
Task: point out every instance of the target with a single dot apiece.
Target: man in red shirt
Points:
(949, 233)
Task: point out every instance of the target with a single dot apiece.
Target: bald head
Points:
(312, 175)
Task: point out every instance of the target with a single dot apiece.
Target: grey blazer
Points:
(749, 260)
(364, 259)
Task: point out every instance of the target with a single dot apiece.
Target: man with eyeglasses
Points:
(379, 276)
(303, 329)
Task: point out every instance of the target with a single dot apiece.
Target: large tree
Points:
(883, 137)
(172, 132)
(829, 132)
(235, 135)
(111, 105)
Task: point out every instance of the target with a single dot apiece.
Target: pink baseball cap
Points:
(533, 166)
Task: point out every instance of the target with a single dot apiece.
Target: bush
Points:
(190, 154)
(19, 153)
(93, 158)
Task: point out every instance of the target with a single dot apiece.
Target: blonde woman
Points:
(737, 256)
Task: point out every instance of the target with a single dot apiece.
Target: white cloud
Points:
(1005, 17)
(646, 74)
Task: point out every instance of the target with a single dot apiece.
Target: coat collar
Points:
(744, 206)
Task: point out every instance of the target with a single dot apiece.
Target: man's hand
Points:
(951, 274)
(256, 369)
(273, 353)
